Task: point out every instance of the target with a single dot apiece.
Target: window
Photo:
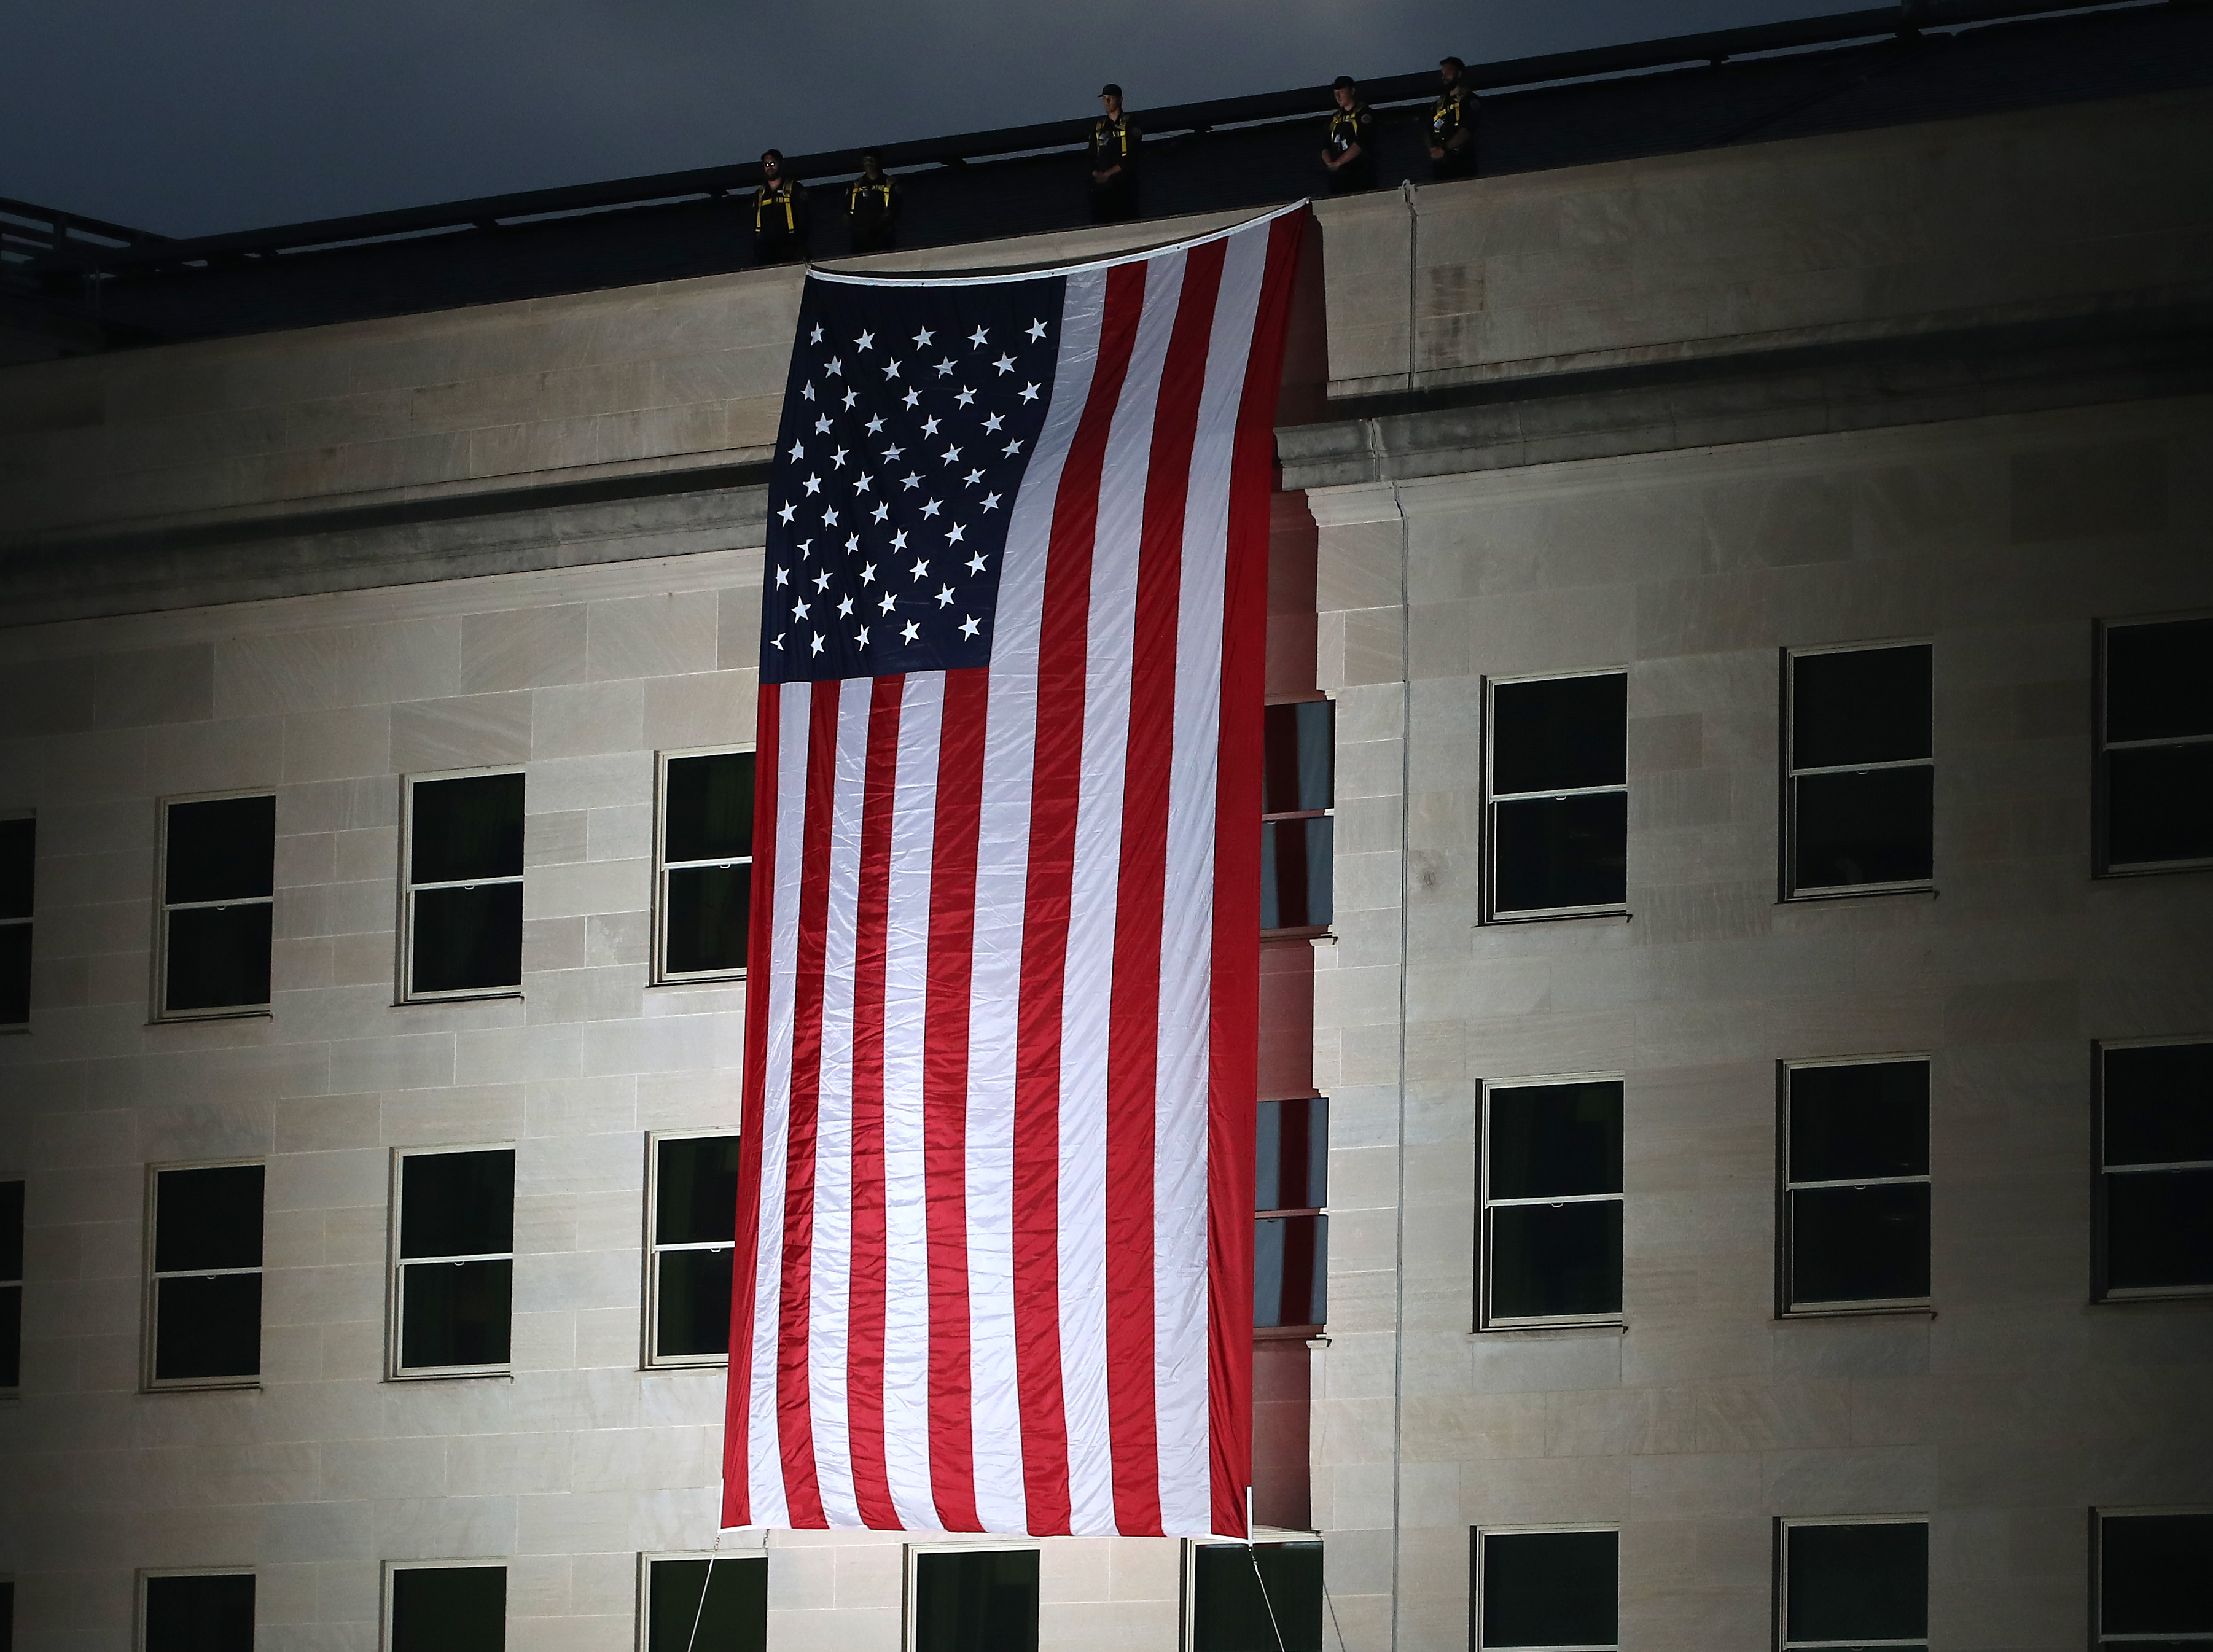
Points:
(706, 865)
(693, 1220)
(12, 1284)
(1260, 1599)
(18, 866)
(973, 1600)
(1298, 781)
(1551, 1202)
(2154, 1580)
(195, 1612)
(451, 1606)
(1864, 1584)
(734, 1616)
(1859, 787)
(1554, 1589)
(204, 1287)
(463, 919)
(1558, 790)
(1855, 1216)
(2155, 746)
(453, 1273)
(218, 878)
(2154, 1201)
(1291, 1241)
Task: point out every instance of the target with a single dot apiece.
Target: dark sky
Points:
(187, 119)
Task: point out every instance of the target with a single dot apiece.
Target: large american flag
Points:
(994, 1260)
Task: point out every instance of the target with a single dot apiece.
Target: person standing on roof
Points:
(779, 213)
(1350, 154)
(872, 206)
(1113, 158)
(1451, 124)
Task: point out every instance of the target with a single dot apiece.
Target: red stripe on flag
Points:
(1133, 1050)
(945, 1094)
(872, 1490)
(1234, 1041)
(1056, 789)
(794, 1415)
(737, 1486)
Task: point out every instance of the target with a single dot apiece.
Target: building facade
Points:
(1752, 994)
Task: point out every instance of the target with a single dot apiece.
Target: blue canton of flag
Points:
(910, 418)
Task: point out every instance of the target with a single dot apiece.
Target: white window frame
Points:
(393, 1568)
(1187, 1595)
(1792, 773)
(1783, 1527)
(393, 1284)
(2099, 1638)
(30, 918)
(163, 906)
(1492, 798)
(1482, 1562)
(910, 1576)
(139, 1626)
(662, 975)
(149, 1306)
(649, 1558)
(649, 1358)
(1486, 1320)
(1785, 1231)
(408, 888)
(2106, 1293)
(2105, 867)
(17, 1286)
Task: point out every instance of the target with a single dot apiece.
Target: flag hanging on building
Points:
(995, 1228)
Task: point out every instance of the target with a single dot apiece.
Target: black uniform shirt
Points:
(1114, 143)
(778, 208)
(1349, 126)
(873, 205)
(1454, 112)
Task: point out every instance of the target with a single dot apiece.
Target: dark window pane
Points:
(205, 1328)
(2159, 804)
(468, 938)
(1556, 1259)
(1849, 1583)
(733, 1619)
(1293, 1141)
(11, 1230)
(708, 907)
(1230, 1612)
(449, 1609)
(1867, 705)
(464, 829)
(200, 1614)
(222, 850)
(708, 811)
(694, 1316)
(218, 958)
(1859, 1244)
(2159, 1104)
(1294, 873)
(455, 1314)
(1561, 734)
(14, 974)
(2156, 1574)
(1550, 853)
(11, 1335)
(457, 1204)
(1870, 1119)
(695, 1190)
(985, 1602)
(1547, 1140)
(1297, 758)
(1875, 827)
(1290, 1275)
(2159, 680)
(2159, 1230)
(207, 1218)
(1550, 1588)
(18, 857)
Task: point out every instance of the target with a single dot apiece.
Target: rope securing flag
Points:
(995, 1228)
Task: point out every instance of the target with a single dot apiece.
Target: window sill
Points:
(1502, 920)
(266, 1013)
(251, 1384)
(1814, 1315)
(1832, 897)
(2148, 870)
(503, 1373)
(719, 1364)
(1544, 1333)
(504, 996)
(2191, 1296)
(1300, 932)
(735, 978)
(1286, 1332)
